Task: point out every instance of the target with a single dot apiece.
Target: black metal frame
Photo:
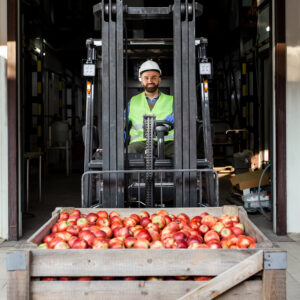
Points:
(184, 12)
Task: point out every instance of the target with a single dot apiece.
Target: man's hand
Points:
(170, 118)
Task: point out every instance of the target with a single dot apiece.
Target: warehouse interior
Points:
(52, 93)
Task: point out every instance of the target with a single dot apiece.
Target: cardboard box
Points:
(249, 179)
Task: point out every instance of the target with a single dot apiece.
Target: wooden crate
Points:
(238, 273)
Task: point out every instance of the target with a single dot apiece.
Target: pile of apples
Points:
(149, 278)
(101, 230)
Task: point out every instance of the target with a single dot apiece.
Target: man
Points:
(151, 101)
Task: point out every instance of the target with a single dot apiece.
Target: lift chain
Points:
(149, 121)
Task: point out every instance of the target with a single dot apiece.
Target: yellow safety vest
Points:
(139, 107)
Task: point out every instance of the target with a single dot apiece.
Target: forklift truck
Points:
(113, 177)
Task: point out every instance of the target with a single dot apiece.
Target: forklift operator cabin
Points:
(79, 68)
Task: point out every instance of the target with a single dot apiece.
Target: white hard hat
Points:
(149, 65)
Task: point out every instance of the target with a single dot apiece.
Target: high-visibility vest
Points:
(139, 107)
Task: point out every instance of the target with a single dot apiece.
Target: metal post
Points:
(177, 56)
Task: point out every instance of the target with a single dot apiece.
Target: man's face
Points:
(150, 81)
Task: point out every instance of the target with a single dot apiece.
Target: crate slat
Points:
(135, 262)
(133, 290)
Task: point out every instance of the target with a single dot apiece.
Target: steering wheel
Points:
(165, 123)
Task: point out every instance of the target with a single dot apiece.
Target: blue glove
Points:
(124, 136)
(170, 118)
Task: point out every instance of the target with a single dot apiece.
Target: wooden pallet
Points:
(238, 273)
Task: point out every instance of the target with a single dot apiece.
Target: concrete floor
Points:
(59, 190)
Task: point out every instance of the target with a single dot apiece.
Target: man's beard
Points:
(151, 89)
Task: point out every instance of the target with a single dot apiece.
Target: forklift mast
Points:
(115, 165)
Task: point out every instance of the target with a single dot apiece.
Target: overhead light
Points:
(44, 54)
(268, 28)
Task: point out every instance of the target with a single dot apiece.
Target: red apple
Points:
(191, 241)
(73, 229)
(122, 232)
(194, 224)
(135, 217)
(172, 217)
(232, 240)
(181, 245)
(75, 212)
(102, 214)
(197, 246)
(54, 242)
(209, 220)
(64, 216)
(72, 240)
(103, 221)
(116, 243)
(152, 226)
(213, 245)
(87, 236)
(113, 214)
(169, 242)
(129, 242)
(179, 236)
(240, 225)
(243, 242)
(167, 219)
(181, 222)
(116, 219)
(237, 231)
(100, 243)
(99, 234)
(226, 232)
(224, 243)
(48, 238)
(61, 245)
(211, 235)
(115, 225)
(145, 221)
(155, 236)
(107, 230)
(204, 214)
(141, 244)
(64, 235)
(63, 225)
(143, 234)
(92, 218)
(218, 227)
(195, 234)
(183, 216)
(143, 214)
(82, 222)
(203, 229)
(172, 227)
(129, 222)
(156, 245)
(162, 212)
(235, 219)
(227, 222)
